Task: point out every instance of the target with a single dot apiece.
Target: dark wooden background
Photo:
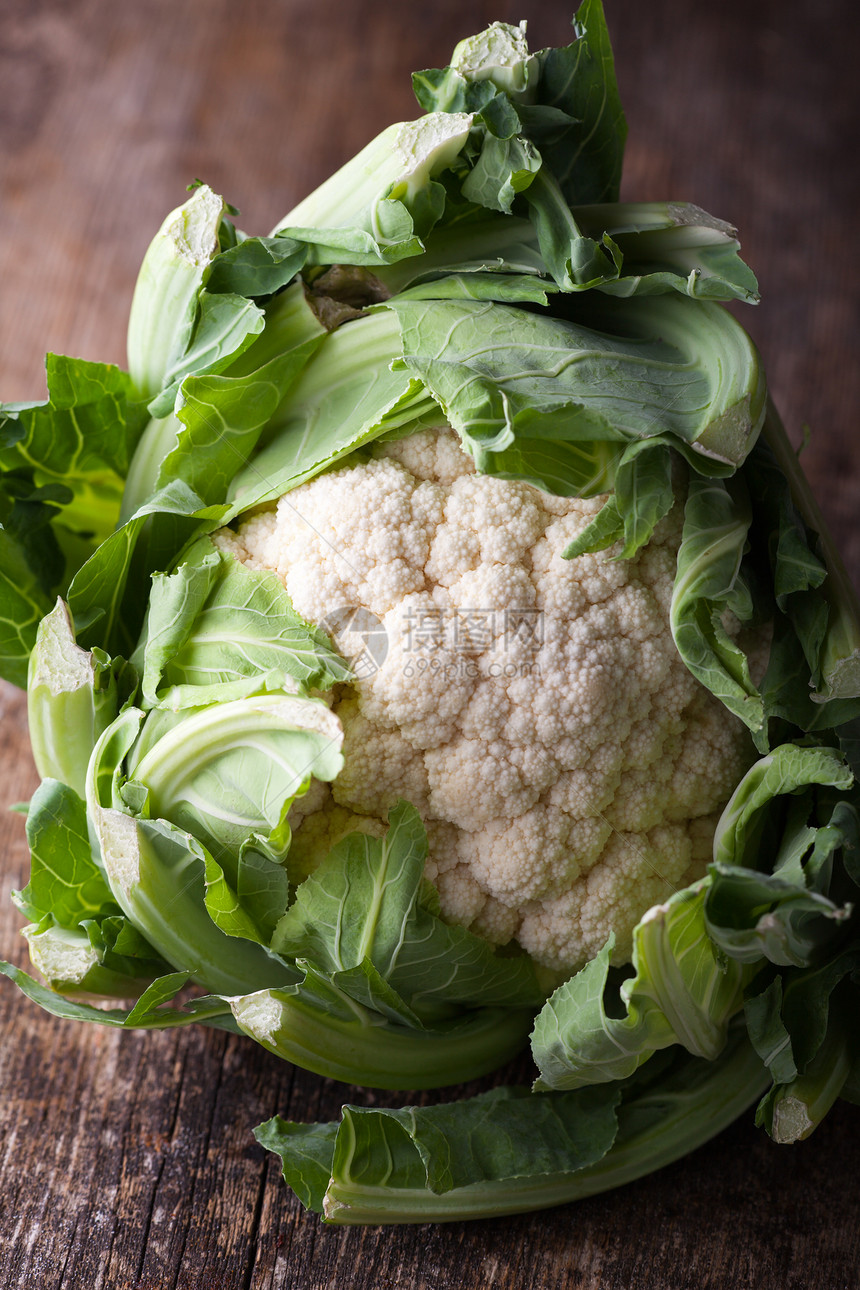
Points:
(126, 1159)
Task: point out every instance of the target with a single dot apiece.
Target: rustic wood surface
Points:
(126, 1158)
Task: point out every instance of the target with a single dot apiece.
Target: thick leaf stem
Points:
(379, 1054)
(646, 1141)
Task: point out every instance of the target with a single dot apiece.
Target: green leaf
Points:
(62, 463)
(104, 596)
(157, 874)
(215, 621)
(494, 1133)
(156, 995)
(477, 244)
(792, 1110)
(803, 1025)
(576, 262)
(262, 887)
(643, 491)
(391, 996)
(230, 771)
(223, 413)
(813, 678)
(321, 1028)
(510, 288)
(681, 991)
(510, 1151)
(364, 984)
(224, 417)
(72, 696)
(749, 828)
(206, 1011)
(767, 1031)
(65, 880)
(23, 603)
(377, 207)
(368, 900)
(346, 396)
(650, 248)
(603, 531)
(226, 325)
(753, 916)
(256, 266)
(671, 246)
(224, 907)
(806, 1005)
(579, 81)
(164, 308)
(522, 388)
(504, 168)
(709, 580)
(82, 436)
(306, 1152)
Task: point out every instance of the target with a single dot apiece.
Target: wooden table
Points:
(126, 1158)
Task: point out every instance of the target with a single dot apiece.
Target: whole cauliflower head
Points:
(569, 768)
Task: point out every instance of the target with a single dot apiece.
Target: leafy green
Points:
(681, 992)
(709, 581)
(782, 894)
(346, 396)
(510, 1151)
(349, 1027)
(64, 881)
(23, 602)
(565, 101)
(825, 612)
(214, 621)
(671, 246)
(78, 938)
(523, 389)
(103, 596)
(230, 770)
(144, 1015)
(256, 266)
(368, 900)
(62, 464)
(663, 246)
(473, 267)
(226, 325)
(579, 80)
(72, 695)
(222, 406)
(376, 208)
(164, 309)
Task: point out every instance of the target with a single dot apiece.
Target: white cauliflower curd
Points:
(535, 710)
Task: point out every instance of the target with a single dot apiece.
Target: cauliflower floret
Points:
(379, 766)
(569, 768)
(331, 552)
(315, 832)
(429, 454)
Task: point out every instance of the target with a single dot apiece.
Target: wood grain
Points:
(126, 1159)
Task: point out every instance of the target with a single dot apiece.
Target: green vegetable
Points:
(227, 785)
(516, 1150)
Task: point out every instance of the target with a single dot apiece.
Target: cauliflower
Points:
(384, 773)
(569, 768)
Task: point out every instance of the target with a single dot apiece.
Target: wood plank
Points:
(127, 1159)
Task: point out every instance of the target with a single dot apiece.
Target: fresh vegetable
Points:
(431, 643)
